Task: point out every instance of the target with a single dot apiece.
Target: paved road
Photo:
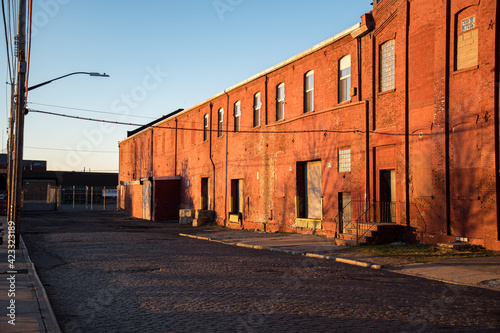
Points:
(105, 272)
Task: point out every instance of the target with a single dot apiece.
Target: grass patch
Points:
(418, 253)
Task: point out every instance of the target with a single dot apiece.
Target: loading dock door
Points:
(166, 193)
(312, 176)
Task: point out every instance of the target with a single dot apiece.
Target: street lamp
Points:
(15, 165)
(61, 77)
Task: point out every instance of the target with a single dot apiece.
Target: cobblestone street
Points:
(105, 272)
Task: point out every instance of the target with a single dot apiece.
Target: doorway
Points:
(387, 195)
(344, 210)
(205, 194)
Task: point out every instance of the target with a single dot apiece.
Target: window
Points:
(221, 122)
(256, 109)
(280, 101)
(345, 160)
(344, 78)
(205, 127)
(387, 66)
(467, 43)
(237, 116)
(309, 92)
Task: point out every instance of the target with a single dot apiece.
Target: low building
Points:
(392, 122)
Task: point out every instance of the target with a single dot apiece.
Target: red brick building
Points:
(393, 120)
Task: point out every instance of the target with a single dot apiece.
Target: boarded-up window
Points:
(466, 43)
(421, 165)
(465, 161)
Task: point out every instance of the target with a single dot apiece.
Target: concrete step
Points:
(347, 242)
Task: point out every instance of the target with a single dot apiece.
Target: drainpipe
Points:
(266, 101)
(212, 160)
(227, 153)
(360, 97)
(407, 122)
(151, 194)
(447, 119)
(151, 159)
(497, 115)
(374, 112)
(175, 150)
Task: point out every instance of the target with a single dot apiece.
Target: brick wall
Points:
(435, 129)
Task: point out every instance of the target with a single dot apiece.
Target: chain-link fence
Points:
(88, 198)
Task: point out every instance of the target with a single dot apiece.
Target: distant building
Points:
(392, 122)
(27, 164)
(43, 190)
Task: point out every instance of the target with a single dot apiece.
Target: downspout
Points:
(151, 159)
(152, 207)
(367, 125)
(266, 100)
(447, 119)
(497, 115)
(360, 97)
(175, 150)
(407, 121)
(373, 112)
(227, 153)
(212, 203)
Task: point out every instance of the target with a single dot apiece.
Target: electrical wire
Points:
(28, 58)
(89, 110)
(75, 150)
(352, 131)
(7, 48)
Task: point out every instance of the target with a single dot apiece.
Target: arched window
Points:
(309, 91)
(205, 128)
(221, 122)
(257, 104)
(387, 66)
(344, 78)
(280, 101)
(237, 116)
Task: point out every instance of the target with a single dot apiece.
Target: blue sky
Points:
(160, 55)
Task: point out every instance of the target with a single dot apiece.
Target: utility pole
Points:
(17, 137)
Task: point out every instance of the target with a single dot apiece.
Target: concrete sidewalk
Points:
(23, 300)
(481, 272)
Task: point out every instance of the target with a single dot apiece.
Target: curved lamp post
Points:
(15, 165)
(61, 77)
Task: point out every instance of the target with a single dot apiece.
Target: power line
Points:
(89, 110)
(353, 131)
(7, 48)
(76, 150)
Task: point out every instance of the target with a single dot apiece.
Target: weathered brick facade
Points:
(421, 129)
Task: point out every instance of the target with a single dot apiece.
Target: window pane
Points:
(256, 111)
(280, 102)
(387, 66)
(205, 128)
(310, 101)
(221, 122)
(345, 160)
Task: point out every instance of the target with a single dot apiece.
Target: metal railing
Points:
(365, 217)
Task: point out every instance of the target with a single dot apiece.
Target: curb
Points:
(51, 324)
(297, 253)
